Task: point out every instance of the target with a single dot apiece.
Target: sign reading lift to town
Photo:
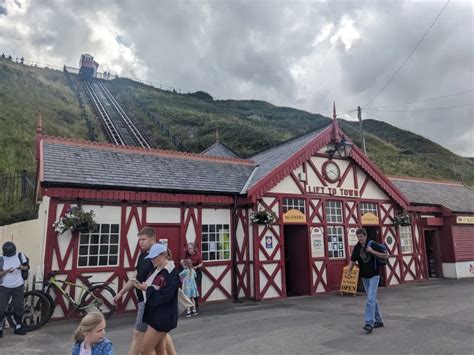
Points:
(332, 191)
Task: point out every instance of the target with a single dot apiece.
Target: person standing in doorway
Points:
(146, 239)
(369, 268)
(12, 285)
(193, 254)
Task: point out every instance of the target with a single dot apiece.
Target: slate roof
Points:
(219, 150)
(274, 157)
(456, 197)
(66, 163)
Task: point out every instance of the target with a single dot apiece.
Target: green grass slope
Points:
(189, 122)
(25, 94)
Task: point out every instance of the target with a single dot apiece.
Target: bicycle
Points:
(39, 305)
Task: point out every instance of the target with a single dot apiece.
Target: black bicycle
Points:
(39, 305)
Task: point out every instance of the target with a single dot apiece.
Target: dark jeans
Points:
(198, 284)
(17, 294)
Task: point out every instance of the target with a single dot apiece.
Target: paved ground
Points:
(430, 317)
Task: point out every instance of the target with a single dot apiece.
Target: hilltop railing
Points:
(100, 75)
(17, 187)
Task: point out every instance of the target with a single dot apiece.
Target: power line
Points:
(413, 51)
(422, 110)
(422, 100)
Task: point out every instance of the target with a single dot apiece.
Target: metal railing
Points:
(17, 187)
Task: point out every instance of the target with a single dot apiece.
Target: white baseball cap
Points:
(156, 250)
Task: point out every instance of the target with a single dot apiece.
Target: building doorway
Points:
(433, 258)
(373, 233)
(169, 235)
(297, 268)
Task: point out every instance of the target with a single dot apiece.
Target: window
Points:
(215, 242)
(99, 247)
(336, 247)
(293, 204)
(333, 212)
(368, 207)
(406, 239)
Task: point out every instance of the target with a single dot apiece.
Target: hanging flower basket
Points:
(263, 217)
(75, 219)
(402, 219)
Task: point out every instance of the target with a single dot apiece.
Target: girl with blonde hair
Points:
(90, 337)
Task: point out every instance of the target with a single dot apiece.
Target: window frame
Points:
(218, 234)
(295, 204)
(327, 215)
(374, 210)
(340, 240)
(404, 238)
(89, 245)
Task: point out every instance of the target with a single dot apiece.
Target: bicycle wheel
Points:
(38, 311)
(99, 298)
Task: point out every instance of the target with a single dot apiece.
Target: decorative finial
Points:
(39, 125)
(217, 136)
(334, 110)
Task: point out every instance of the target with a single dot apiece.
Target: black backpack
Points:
(381, 248)
(24, 273)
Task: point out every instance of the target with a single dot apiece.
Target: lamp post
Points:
(343, 147)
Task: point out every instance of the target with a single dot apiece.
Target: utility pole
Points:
(359, 116)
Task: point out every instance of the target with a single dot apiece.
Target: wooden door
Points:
(297, 261)
(170, 235)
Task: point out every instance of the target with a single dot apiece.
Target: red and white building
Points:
(319, 201)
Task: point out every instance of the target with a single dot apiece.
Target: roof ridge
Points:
(222, 144)
(417, 179)
(291, 139)
(129, 149)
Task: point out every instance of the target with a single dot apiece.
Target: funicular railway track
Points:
(119, 128)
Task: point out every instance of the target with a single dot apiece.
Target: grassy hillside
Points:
(25, 94)
(193, 119)
(189, 122)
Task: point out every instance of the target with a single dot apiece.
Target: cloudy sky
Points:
(291, 53)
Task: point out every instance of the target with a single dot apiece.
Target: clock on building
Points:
(331, 171)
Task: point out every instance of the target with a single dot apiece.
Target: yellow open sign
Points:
(349, 282)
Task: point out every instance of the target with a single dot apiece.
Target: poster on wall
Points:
(352, 238)
(269, 242)
(212, 246)
(317, 242)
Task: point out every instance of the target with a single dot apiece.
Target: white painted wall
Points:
(30, 238)
(459, 270)
(287, 185)
(215, 216)
(163, 215)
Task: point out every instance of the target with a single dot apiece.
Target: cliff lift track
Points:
(118, 126)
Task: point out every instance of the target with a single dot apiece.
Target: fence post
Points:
(23, 185)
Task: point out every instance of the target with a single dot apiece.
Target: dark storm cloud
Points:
(3, 10)
(301, 54)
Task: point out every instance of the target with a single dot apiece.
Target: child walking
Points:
(188, 277)
(89, 336)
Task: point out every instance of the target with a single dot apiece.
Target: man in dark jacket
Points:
(365, 255)
(146, 239)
